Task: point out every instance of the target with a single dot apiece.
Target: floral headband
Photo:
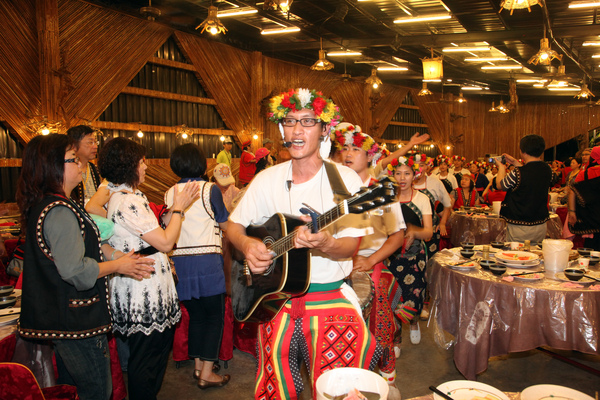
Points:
(348, 134)
(299, 99)
(412, 162)
(459, 158)
(442, 159)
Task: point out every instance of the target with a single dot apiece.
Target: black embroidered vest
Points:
(51, 307)
(527, 202)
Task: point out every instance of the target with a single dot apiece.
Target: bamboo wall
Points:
(69, 60)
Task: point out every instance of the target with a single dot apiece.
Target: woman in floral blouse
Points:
(144, 311)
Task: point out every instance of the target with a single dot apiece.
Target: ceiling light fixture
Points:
(502, 67)
(517, 4)
(283, 5)
(584, 92)
(322, 64)
(212, 23)
(591, 44)
(392, 69)
(545, 54)
(373, 80)
(424, 91)
(486, 59)
(461, 99)
(584, 4)
(234, 12)
(471, 88)
(346, 53)
(285, 29)
(528, 80)
(423, 18)
(493, 108)
(459, 49)
(563, 89)
(433, 68)
(502, 108)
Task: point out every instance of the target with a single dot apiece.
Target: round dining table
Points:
(482, 227)
(490, 316)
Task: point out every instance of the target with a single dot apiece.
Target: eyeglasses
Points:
(91, 142)
(305, 122)
(72, 160)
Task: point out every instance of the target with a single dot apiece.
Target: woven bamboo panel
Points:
(225, 75)
(19, 60)
(105, 50)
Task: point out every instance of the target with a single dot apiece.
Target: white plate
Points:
(553, 392)
(531, 277)
(16, 293)
(466, 390)
(8, 319)
(519, 265)
(513, 255)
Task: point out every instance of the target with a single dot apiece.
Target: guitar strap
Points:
(340, 193)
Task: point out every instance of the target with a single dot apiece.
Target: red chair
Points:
(18, 382)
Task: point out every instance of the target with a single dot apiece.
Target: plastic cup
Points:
(496, 205)
(583, 262)
(514, 245)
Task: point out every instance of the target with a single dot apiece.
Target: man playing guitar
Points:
(321, 327)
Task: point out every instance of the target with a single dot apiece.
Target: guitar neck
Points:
(286, 243)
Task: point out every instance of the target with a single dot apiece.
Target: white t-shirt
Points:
(437, 189)
(268, 194)
(451, 178)
(422, 202)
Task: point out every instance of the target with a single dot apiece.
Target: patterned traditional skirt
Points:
(326, 332)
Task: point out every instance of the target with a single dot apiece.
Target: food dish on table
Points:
(542, 392)
(515, 256)
(469, 390)
(532, 276)
(583, 281)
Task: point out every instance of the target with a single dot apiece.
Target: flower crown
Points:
(442, 159)
(299, 99)
(459, 158)
(347, 134)
(412, 162)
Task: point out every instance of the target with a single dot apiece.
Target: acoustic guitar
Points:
(260, 297)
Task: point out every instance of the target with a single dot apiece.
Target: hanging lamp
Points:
(425, 91)
(374, 80)
(322, 64)
(212, 23)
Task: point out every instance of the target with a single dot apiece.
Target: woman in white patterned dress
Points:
(144, 312)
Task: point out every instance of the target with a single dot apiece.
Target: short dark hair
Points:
(118, 161)
(77, 133)
(42, 172)
(188, 161)
(533, 145)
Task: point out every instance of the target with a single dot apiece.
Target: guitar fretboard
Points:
(286, 243)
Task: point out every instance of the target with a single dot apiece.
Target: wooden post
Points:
(49, 56)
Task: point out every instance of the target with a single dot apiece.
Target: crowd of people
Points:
(101, 260)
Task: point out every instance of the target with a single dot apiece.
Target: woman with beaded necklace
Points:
(408, 263)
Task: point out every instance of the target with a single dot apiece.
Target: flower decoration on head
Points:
(348, 134)
(459, 158)
(442, 159)
(299, 99)
(384, 152)
(412, 162)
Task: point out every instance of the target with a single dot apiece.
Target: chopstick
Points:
(527, 273)
(440, 393)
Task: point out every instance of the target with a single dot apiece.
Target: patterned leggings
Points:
(330, 334)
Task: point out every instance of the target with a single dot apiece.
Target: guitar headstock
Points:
(367, 198)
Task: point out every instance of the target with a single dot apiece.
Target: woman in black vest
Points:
(65, 296)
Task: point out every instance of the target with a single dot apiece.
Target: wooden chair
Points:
(18, 382)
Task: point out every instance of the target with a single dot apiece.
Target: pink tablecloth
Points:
(489, 317)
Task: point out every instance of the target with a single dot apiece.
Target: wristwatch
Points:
(179, 212)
